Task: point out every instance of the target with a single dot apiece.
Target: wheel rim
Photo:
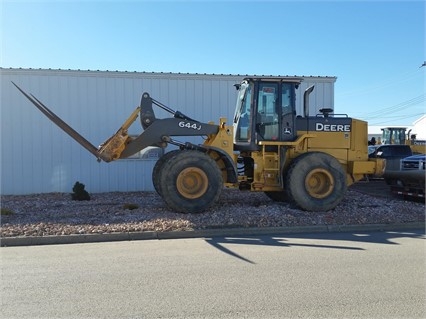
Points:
(192, 183)
(319, 183)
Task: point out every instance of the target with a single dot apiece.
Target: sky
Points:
(374, 48)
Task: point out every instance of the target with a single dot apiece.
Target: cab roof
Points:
(275, 78)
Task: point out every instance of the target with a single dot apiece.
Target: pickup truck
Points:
(393, 155)
(391, 152)
(409, 180)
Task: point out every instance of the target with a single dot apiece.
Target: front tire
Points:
(316, 182)
(158, 169)
(191, 182)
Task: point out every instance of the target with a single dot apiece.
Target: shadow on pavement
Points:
(286, 241)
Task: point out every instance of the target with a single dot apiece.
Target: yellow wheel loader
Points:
(309, 160)
(400, 136)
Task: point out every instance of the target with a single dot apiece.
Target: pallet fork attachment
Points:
(108, 151)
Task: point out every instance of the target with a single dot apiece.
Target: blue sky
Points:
(374, 48)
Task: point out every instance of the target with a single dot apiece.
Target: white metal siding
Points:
(420, 128)
(37, 157)
(321, 97)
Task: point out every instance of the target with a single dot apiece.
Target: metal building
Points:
(37, 157)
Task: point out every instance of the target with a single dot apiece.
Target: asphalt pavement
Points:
(355, 274)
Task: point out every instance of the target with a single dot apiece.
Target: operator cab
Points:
(394, 135)
(265, 111)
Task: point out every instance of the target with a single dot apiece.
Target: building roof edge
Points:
(162, 73)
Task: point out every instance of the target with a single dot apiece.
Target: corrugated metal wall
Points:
(37, 157)
(321, 97)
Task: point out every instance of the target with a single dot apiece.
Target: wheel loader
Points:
(306, 159)
(400, 136)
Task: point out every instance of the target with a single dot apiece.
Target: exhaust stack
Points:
(306, 100)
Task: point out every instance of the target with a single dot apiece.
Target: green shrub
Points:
(130, 206)
(7, 212)
(79, 192)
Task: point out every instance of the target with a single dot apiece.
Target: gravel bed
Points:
(57, 214)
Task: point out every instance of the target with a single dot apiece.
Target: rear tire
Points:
(191, 182)
(316, 182)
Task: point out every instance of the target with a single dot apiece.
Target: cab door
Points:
(275, 111)
(267, 112)
(288, 111)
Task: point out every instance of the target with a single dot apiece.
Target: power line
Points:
(395, 108)
(399, 118)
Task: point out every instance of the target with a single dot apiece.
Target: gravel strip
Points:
(57, 214)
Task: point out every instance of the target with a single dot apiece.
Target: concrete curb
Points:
(222, 232)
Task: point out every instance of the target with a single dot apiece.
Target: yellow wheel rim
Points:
(319, 183)
(192, 183)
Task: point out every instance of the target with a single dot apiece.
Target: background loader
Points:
(400, 136)
(309, 160)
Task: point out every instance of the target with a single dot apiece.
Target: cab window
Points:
(243, 118)
(267, 116)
